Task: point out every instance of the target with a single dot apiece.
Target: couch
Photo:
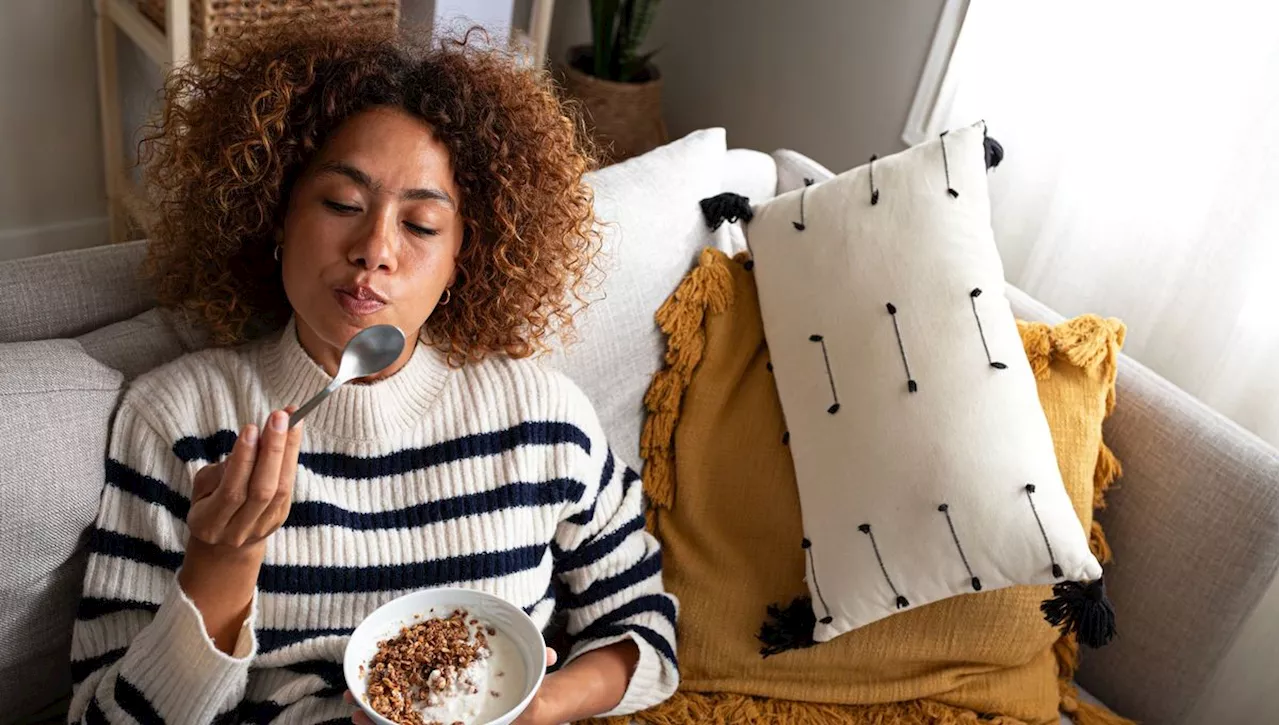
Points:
(1193, 521)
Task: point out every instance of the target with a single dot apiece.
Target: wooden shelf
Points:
(141, 31)
(167, 48)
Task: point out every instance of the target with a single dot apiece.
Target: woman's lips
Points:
(358, 302)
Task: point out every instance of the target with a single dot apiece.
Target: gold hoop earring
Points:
(276, 254)
(448, 295)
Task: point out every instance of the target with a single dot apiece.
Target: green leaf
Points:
(604, 18)
(643, 13)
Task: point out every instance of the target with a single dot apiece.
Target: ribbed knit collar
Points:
(380, 410)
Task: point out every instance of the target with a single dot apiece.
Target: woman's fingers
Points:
(278, 511)
(211, 515)
(358, 717)
(551, 657)
(263, 482)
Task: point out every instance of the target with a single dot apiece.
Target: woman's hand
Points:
(540, 710)
(526, 718)
(245, 498)
(235, 506)
(592, 684)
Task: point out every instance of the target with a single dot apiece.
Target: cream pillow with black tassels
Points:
(923, 459)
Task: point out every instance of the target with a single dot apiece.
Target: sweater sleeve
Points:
(140, 651)
(612, 569)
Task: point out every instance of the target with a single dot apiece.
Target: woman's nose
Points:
(377, 248)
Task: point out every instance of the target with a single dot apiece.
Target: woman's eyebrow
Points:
(363, 179)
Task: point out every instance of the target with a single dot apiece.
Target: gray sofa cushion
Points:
(57, 404)
(142, 343)
(70, 293)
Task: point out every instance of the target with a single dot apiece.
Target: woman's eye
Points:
(340, 207)
(420, 231)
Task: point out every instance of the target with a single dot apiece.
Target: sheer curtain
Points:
(1142, 176)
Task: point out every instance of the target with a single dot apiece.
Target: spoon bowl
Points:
(368, 352)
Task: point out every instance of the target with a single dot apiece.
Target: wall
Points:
(51, 189)
(830, 78)
(833, 79)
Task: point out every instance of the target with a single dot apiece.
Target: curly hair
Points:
(240, 126)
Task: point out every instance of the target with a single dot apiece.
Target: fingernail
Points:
(251, 435)
(279, 422)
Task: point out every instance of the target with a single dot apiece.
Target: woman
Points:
(309, 185)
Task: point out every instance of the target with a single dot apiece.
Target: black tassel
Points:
(728, 206)
(787, 628)
(1083, 609)
(992, 151)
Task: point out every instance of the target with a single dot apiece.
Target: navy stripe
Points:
(628, 477)
(330, 672)
(123, 546)
(294, 579)
(132, 701)
(583, 518)
(318, 513)
(265, 712)
(94, 607)
(660, 604)
(297, 579)
(81, 669)
(654, 639)
(146, 488)
(511, 496)
(598, 549)
(478, 445)
(270, 640)
(93, 714)
(604, 588)
(259, 712)
(213, 447)
(550, 594)
(210, 448)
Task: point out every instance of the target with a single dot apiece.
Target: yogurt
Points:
(488, 687)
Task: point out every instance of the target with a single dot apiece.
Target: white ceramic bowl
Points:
(386, 621)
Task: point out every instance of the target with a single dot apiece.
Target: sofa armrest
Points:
(1193, 522)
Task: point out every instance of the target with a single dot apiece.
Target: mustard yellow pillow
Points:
(724, 504)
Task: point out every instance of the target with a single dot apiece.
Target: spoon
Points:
(369, 352)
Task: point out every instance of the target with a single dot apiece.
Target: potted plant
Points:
(619, 88)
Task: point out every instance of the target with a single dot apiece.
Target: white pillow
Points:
(748, 173)
(653, 230)
(923, 458)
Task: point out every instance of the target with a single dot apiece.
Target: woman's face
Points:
(371, 234)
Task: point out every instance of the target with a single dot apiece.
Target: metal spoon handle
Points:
(310, 405)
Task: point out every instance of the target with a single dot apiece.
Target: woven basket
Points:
(625, 119)
(212, 18)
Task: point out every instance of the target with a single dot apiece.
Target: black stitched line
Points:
(973, 580)
(800, 224)
(893, 312)
(946, 168)
(1057, 570)
(899, 600)
(813, 573)
(973, 302)
(835, 405)
(871, 171)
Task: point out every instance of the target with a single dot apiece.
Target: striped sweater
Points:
(493, 476)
